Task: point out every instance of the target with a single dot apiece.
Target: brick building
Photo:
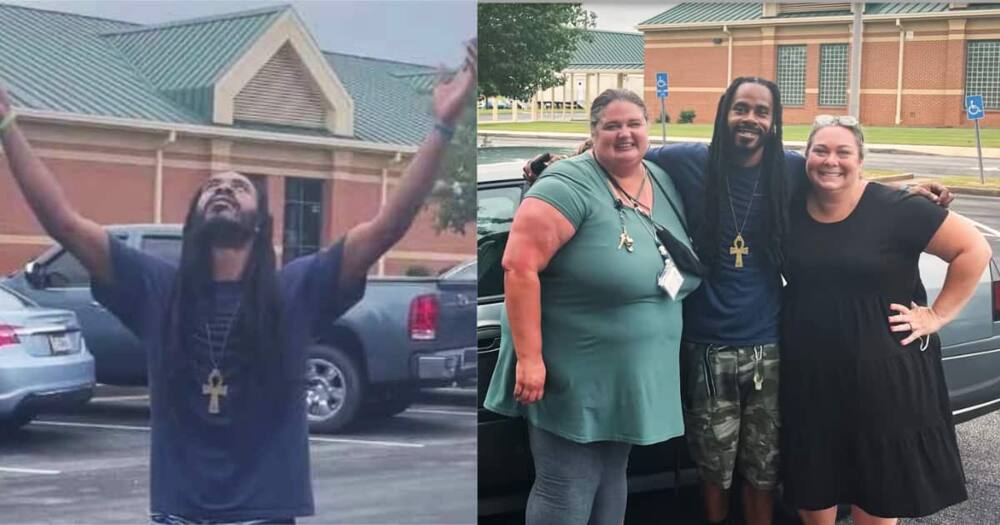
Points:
(918, 60)
(133, 118)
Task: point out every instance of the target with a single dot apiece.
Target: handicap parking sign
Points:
(974, 107)
(661, 85)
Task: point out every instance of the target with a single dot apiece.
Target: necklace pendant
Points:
(739, 249)
(214, 387)
(625, 241)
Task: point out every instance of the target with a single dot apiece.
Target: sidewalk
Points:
(945, 151)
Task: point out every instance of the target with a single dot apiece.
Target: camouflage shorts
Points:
(729, 422)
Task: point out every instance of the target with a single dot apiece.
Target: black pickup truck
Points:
(406, 333)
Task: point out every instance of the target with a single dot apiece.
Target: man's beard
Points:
(733, 147)
(225, 232)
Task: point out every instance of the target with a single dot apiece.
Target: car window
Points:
(9, 301)
(65, 271)
(493, 219)
(165, 247)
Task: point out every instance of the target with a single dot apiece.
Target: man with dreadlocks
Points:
(735, 193)
(225, 333)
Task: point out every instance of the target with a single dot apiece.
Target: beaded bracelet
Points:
(446, 131)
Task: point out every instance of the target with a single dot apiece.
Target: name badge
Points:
(670, 278)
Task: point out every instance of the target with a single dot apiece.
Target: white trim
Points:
(288, 28)
(201, 130)
(972, 354)
(976, 407)
(16, 470)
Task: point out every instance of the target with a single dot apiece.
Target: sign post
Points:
(975, 112)
(661, 93)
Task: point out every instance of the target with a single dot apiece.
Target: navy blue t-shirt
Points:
(251, 460)
(734, 306)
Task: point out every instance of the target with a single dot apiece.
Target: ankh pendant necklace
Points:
(739, 247)
(215, 385)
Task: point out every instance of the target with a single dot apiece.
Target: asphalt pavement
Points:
(91, 465)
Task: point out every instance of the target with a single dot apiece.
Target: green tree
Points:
(523, 47)
(456, 194)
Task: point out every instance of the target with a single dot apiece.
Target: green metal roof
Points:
(70, 63)
(384, 93)
(696, 12)
(183, 60)
(609, 50)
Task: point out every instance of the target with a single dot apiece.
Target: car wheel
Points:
(334, 391)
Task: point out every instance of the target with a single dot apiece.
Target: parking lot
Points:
(92, 465)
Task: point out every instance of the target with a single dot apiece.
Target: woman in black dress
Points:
(865, 412)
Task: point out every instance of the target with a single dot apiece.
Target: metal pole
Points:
(857, 28)
(663, 120)
(979, 151)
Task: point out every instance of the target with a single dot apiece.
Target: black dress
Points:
(865, 420)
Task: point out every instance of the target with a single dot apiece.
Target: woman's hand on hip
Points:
(918, 320)
(529, 383)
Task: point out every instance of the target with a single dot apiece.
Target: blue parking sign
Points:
(661, 85)
(974, 107)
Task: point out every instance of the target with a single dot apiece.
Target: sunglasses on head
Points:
(848, 121)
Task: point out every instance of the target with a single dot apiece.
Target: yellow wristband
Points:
(7, 121)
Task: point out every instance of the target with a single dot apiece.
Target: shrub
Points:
(687, 116)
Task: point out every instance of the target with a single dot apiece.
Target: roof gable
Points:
(184, 59)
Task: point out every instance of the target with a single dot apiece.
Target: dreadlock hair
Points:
(258, 321)
(708, 238)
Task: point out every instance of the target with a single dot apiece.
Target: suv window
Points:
(162, 246)
(493, 220)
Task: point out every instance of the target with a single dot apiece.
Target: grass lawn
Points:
(881, 174)
(873, 134)
(970, 182)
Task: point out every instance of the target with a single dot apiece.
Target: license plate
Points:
(60, 344)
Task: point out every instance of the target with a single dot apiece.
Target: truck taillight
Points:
(423, 317)
(8, 335)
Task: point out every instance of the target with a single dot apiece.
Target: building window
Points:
(792, 75)
(833, 75)
(982, 71)
(303, 217)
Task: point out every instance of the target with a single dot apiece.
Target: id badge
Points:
(670, 279)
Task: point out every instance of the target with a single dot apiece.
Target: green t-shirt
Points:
(610, 335)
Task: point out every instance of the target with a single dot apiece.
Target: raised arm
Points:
(538, 231)
(368, 241)
(967, 253)
(82, 237)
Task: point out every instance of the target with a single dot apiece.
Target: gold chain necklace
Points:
(739, 247)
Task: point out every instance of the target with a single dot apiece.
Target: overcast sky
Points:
(624, 16)
(420, 31)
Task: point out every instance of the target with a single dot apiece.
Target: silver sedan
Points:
(44, 363)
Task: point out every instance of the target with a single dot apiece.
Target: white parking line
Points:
(367, 442)
(311, 438)
(16, 470)
(985, 228)
(88, 425)
(119, 398)
(445, 412)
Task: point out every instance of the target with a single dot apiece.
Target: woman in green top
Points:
(592, 324)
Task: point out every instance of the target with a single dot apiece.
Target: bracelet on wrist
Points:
(446, 131)
(7, 121)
